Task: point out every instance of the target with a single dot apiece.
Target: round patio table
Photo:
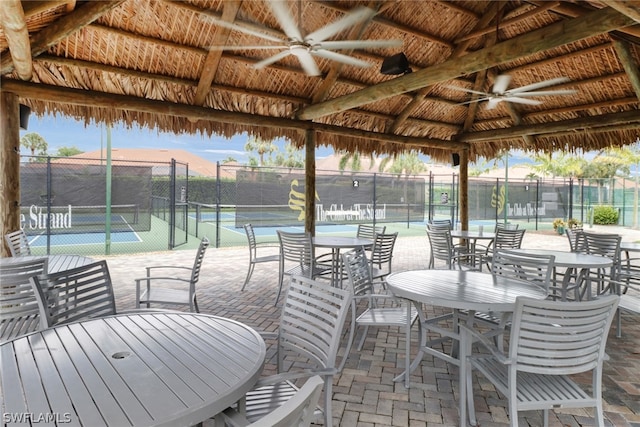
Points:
(142, 369)
(336, 243)
(55, 263)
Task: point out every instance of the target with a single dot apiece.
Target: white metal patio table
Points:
(581, 263)
(55, 263)
(336, 243)
(472, 291)
(143, 369)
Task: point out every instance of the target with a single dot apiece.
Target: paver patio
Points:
(364, 393)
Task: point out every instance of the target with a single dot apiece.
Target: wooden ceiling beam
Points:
(17, 35)
(34, 7)
(631, 67)
(212, 61)
(95, 99)
(559, 34)
(631, 8)
(62, 28)
(512, 21)
(546, 128)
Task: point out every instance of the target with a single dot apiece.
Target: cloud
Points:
(227, 152)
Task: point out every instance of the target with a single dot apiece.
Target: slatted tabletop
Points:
(150, 369)
(55, 263)
(458, 289)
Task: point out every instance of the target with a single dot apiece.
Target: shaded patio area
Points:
(364, 393)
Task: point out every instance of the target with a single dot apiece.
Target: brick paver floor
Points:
(364, 392)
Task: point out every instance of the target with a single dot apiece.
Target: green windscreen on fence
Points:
(68, 198)
(277, 198)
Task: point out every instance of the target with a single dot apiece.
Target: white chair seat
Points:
(162, 295)
(535, 391)
(388, 316)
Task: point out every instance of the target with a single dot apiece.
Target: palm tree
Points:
(353, 160)
(35, 143)
(407, 162)
(261, 147)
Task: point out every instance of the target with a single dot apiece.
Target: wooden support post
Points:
(310, 182)
(464, 189)
(10, 166)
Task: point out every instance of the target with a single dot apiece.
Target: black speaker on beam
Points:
(24, 116)
(455, 159)
(396, 64)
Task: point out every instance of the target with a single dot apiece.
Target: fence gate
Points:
(178, 204)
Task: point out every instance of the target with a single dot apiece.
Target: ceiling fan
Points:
(520, 95)
(316, 43)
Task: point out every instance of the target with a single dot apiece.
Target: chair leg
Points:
(249, 273)
(195, 304)
(280, 280)
(363, 337)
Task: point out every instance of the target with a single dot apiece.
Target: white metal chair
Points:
(575, 236)
(506, 238)
(254, 247)
(72, 295)
(158, 289)
(382, 256)
(297, 257)
(379, 309)
(308, 340)
(440, 224)
(298, 411)
(443, 249)
(369, 231)
(19, 311)
(549, 342)
(535, 270)
(606, 245)
(18, 243)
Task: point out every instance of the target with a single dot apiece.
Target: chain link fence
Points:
(160, 206)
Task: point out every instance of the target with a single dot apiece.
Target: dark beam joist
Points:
(62, 28)
(629, 64)
(553, 127)
(95, 99)
(559, 34)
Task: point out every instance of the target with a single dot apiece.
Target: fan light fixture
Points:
(25, 111)
(395, 65)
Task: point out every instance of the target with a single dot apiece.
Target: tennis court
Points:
(271, 231)
(75, 239)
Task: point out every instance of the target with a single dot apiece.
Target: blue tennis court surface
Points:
(271, 231)
(83, 239)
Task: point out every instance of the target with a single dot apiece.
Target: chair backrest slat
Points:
(296, 247)
(508, 239)
(312, 321)
(559, 337)
(441, 245)
(18, 243)
(382, 252)
(358, 270)
(75, 294)
(19, 311)
(251, 239)
(368, 231)
(197, 264)
(533, 269)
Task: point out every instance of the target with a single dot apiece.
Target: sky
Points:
(61, 131)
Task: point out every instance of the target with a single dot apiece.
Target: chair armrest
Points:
(488, 344)
(290, 376)
(168, 267)
(161, 278)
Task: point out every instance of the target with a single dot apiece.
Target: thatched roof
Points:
(150, 63)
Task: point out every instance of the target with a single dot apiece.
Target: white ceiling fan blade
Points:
(308, 63)
(270, 60)
(501, 83)
(353, 17)
(493, 103)
(464, 89)
(358, 44)
(519, 100)
(534, 86)
(285, 19)
(242, 29)
(257, 47)
(345, 59)
(548, 92)
(474, 100)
